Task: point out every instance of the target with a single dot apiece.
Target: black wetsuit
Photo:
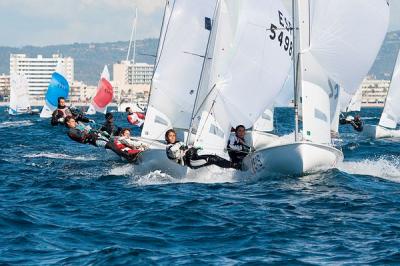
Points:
(110, 128)
(63, 112)
(357, 125)
(92, 137)
(191, 158)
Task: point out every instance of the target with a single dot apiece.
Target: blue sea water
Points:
(63, 203)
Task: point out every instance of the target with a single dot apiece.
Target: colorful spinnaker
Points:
(58, 87)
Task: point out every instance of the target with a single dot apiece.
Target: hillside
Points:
(90, 58)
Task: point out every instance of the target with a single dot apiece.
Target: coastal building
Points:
(4, 87)
(38, 71)
(129, 73)
(374, 92)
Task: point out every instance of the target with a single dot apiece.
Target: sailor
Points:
(63, 111)
(180, 153)
(109, 126)
(135, 118)
(85, 134)
(128, 147)
(237, 147)
(355, 122)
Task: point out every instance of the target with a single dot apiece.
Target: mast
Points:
(202, 69)
(134, 38)
(296, 58)
(133, 35)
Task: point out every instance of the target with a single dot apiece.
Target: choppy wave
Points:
(386, 167)
(67, 203)
(23, 123)
(59, 156)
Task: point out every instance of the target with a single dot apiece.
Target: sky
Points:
(46, 22)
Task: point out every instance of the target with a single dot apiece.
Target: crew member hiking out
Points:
(237, 147)
(355, 122)
(128, 147)
(109, 125)
(182, 154)
(81, 133)
(63, 111)
(135, 118)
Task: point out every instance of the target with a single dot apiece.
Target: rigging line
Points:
(212, 32)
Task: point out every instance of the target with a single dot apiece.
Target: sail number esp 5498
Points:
(283, 33)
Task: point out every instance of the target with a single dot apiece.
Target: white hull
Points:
(378, 132)
(19, 111)
(155, 159)
(261, 139)
(292, 159)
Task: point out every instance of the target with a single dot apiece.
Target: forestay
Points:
(391, 113)
(250, 63)
(179, 67)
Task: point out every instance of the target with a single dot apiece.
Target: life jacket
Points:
(174, 152)
(64, 112)
(124, 148)
(136, 118)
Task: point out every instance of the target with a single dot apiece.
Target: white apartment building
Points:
(374, 92)
(129, 73)
(4, 87)
(38, 71)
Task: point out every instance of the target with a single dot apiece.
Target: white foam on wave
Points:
(206, 175)
(59, 156)
(23, 123)
(387, 167)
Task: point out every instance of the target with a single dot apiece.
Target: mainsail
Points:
(391, 113)
(179, 65)
(104, 94)
(336, 51)
(250, 63)
(19, 94)
(58, 87)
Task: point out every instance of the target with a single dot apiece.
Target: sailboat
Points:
(58, 87)
(19, 95)
(387, 127)
(104, 94)
(183, 44)
(330, 55)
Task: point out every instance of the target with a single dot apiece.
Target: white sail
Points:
(336, 52)
(351, 103)
(346, 37)
(19, 94)
(250, 63)
(177, 74)
(391, 113)
(265, 122)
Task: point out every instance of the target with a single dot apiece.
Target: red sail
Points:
(104, 94)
